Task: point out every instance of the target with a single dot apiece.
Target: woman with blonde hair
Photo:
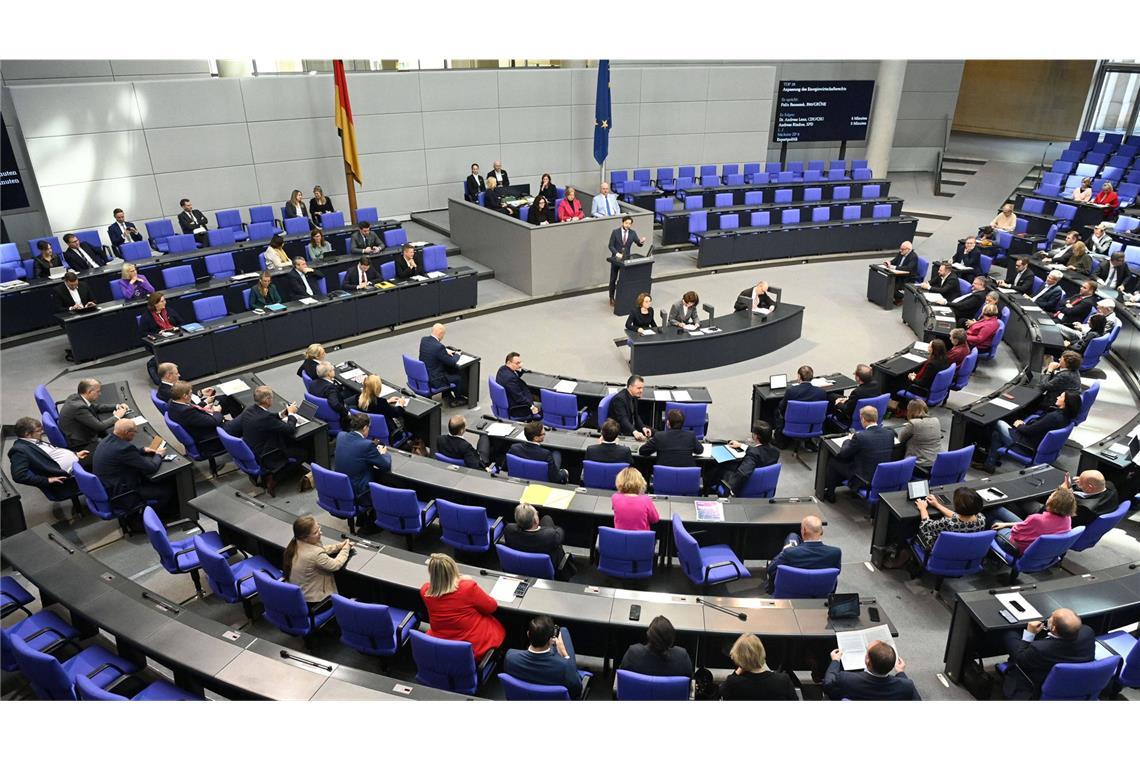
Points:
(752, 680)
(372, 402)
(1080, 260)
(321, 204)
(633, 510)
(311, 565)
(1083, 194)
(132, 284)
(314, 355)
(458, 609)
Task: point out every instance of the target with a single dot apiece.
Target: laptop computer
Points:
(778, 382)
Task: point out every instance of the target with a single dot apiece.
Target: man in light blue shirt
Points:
(605, 203)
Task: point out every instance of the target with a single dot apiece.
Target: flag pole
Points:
(350, 182)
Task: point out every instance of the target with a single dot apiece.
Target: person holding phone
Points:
(549, 660)
(125, 470)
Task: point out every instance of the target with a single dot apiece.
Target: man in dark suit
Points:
(906, 260)
(1095, 497)
(760, 453)
(499, 174)
(35, 462)
(408, 263)
(365, 241)
(301, 281)
(72, 294)
(865, 387)
(124, 469)
(801, 391)
(1115, 273)
(473, 185)
(529, 534)
(454, 445)
(361, 276)
(623, 409)
(1066, 639)
(81, 256)
(969, 258)
(520, 398)
(1078, 308)
(608, 450)
(856, 461)
(80, 417)
(442, 364)
(193, 222)
(324, 386)
(805, 551)
(267, 434)
(620, 241)
(1052, 295)
(1022, 280)
(944, 282)
(200, 422)
(122, 231)
(875, 682)
(966, 305)
(532, 448)
(674, 446)
(360, 458)
(168, 375)
(493, 198)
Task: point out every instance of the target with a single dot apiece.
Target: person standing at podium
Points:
(620, 241)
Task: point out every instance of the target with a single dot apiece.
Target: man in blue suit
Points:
(860, 455)
(520, 399)
(532, 448)
(875, 681)
(1052, 295)
(359, 458)
(124, 469)
(801, 391)
(442, 365)
(122, 231)
(1066, 639)
(810, 553)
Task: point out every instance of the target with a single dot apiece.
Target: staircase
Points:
(955, 173)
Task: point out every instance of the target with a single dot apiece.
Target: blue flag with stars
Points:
(603, 119)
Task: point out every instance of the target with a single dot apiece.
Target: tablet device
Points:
(917, 489)
(841, 606)
(308, 410)
(778, 382)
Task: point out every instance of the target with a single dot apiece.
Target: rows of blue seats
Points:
(1111, 159)
(733, 174)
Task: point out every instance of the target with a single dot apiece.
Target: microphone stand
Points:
(725, 610)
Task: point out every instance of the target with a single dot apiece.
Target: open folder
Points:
(854, 644)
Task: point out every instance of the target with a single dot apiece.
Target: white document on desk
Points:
(301, 421)
(353, 374)
(934, 297)
(822, 382)
(464, 359)
(1012, 601)
(854, 644)
(682, 396)
(140, 420)
(1003, 403)
(1027, 307)
(308, 301)
(565, 386)
(920, 346)
(504, 589)
(914, 357)
(500, 428)
(231, 387)
(660, 395)
(386, 391)
(436, 275)
(942, 310)
(419, 278)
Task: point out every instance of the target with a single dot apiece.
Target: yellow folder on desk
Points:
(545, 496)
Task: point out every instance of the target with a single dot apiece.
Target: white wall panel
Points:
(667, 150)
(276, 98)
(536, 157)
(204, 147)
(149, 67)
(451, 129)
(83, 205)
(383, 171)
(186, 102)
(294, 139)
(46, 70)
(538, 87)
(735, 147)
(741, 83)
(673, 118)
(74, 109)
(453, 164)
(102, 155)
(209, 189)
(669, 85)
(398, 202)
(381, 133)
(738, 115)
(277, 180)
(391, 92)
(457, 90)
(533, 124)
(625, 122)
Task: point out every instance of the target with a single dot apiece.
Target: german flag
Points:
(344, 126)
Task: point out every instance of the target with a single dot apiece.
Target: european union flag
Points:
(603, 121)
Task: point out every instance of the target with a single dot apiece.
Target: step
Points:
(957, 160)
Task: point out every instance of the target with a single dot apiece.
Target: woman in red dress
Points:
(1108, 198)
(459, 610)
(569, 208)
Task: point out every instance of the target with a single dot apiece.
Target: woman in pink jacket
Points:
(633, 510)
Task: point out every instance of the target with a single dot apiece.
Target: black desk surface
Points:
(1018, 486)
(598, 389)
(280, 400)
(119, 391)
(837, 382)
(417, 406)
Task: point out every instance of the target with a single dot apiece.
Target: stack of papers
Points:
(1003, 403)
(660, 395)
(942, 310)
(854, 644)
(565, 386)
(682, 396)
(435, 275)
(710, 330)
(545, 496)
(920, 346)
(307, 300)
(914, 357)
(500, 428)
(934, 298)
(504, 589)
(464, 359)
(140, 420)
(419, 278)
(822, 382)
(691, 327)
(354, 374)
(231, 387)
(301, 421)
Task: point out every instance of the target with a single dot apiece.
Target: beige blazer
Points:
(313, 569)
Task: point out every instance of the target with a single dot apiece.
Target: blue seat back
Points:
(694, 202)
(335, 219)
(951, 466)
(813, 175)
(43, 672)
(1050, 447)
(601, 474)
(604, 408)
(761, 484)
(443, 664)
(87, 691)
(184, 438)
(802, 583)
(449, 460)
(879, 402)
(804, 419)
(45, 403)
(1079, 681)
(241, 453)
(261, 215)
(159, 230)
(220, 265)
(223, 236)
(626, 553)
(219, 575)
(891, 476)
(285, 605)
(136, 250)
(1047, 551)
(940, 388)
(1096, 349)
(156, 533)
(754, 197)
(435, 258)
(296, 225)
(181, 243)
(463, 527)
(790, 216)
(688, 552)
(560, 410)
(527, 469)
(367, 628)
(229, 218)
(1099, 526)
(394, 237)
(783, 195)
(721, 200)
(325, 412)
(210, 308)
(174, 277)
(1088, 398)
(696, 416)
(500, 405)
(760, 219)
(397, 509)
(965, 370)
(637, 687)
(387, 272)
(262, 231)
(92, 489)
(955, 555)
(730, 221)
(821, 214)
(334, 492)
(923, 266)
(676, 481)
(517, 690)
(159, 404)
(524, 563)
(999, 334)
(417, 375)
(51, 428)
(841, 193)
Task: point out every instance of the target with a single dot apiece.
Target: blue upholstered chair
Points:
(179, 556)
(286, 608)
(528, 469)
(761, 484)
(449, 460)
(1095, 530)
(804, 420)
(450, 665)
(939, 388)
(518, 690)
(637, 687)
(400, 511)
(1088, 398)
(45, 403)
(325, 413)
(500, 405)
(954, 555)
(528, 564)
(466, 528)
(157, 691)
(889, 476)
(853, 422)
(628, 554)
(376, 630)
(1043, 553)
(1047, 451)
(210, 309)
(232, 583)
(120, 507)
(802, 583)
(55, 680)
(335, 495)
(951, 466)
(418, 381)
(965, 370)
(43, 632)
(705, 565)
(696, 417)
(601, 474)
(991, 352)
(676, 481)
(561, 410)
(230, 219)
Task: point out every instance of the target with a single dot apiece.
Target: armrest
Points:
(40, 632)
(184, 551)
(406, 621)
(424, 511)
(586, 686)
(106, 666)
(487, 659)
(320, 608)
(709, 568)
(185, 521)
(230, 548)
(494, 525)
(112, 499)
(565, 559)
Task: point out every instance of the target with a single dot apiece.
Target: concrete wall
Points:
(1041, 100)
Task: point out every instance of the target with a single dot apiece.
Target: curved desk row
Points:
(736, 337)
(237, 340)
(202, 653)
(33, 307)
(805, 239)
(708, 194)
(1086, 214)
(755, 528)
(796, 632)
(651, 405)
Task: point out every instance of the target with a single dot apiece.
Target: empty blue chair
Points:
(178, 557)
(467, 528)
(387, 272)
(772, 168)
(858, 163)
(637, 687)
(333, 220)
(707, 170)
(42, 632)
(761, 484)
(821, 214)
(813, 175)
(394, 237)
(210, 309)
(862, 175)
(181, 244)
(1098, 527)
(136, 251)
(242, 455)
(528, 469)
(626, 554)
(734, 180)
(450, 665)
(1033, 205)
(262, 231)
(527, 564)
(1042, 554)
(51, 428)
(13, 597)
(730, 221)
(760, 219)
(804, 420)
(55, 680)
(335, 495)
(158, 691)
(786, 176)
(870, 191)
(665, 179)
(159, 404)
(965, 370)
(286, 608)
(618, 180)
(1088, 398)
(176, 277)
(368, 214)
(990, 353)
(376, 630)
(220, 237)
(1124, 644)
(103, 506)
(705, 565)
(662, 206)
(1047, 451)
(435, 258)
(750, 171)
(676, 481)
(683, 184)
(694, 202)
(295, 225)
(45, 403)
(641, 175)
(418, 380)
(801, 583)
(560, 410)
(954, 555)
(232, 583)
(517, 690)
(262, 215)
(601, 474)
(721, 200)
(159, 231)
(790, 216)
(841, 193)
(813, 194)
(783, 195)
(220, 265)
(951, 466)
(754, 197)
(400, 511)
(888, 477)
(881, 211)
(230, 220)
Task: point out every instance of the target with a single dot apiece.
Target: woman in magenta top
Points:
(633, 510)
(1055, 518)
(569, 207)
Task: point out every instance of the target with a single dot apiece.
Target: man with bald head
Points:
(875, 681)
(805, 551)
(1031, 658)
(1095, 497)
(125, 470)
(442, 364)
(905, 261)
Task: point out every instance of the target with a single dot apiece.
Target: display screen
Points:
(823, 110)
(14, 195)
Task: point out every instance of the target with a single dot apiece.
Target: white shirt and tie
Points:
(74, 293)
(87, 257)
(1044, 290)
(604, 205)
(65, 458)
(305, 281)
